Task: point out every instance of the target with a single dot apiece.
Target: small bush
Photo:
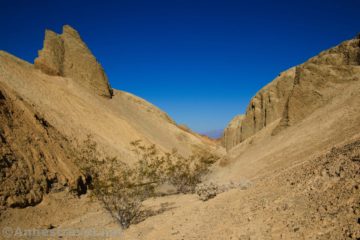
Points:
(182, 172)
(122, 188)
(206, 191)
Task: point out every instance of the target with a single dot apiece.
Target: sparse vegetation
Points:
(122, 188)
(206, 191)
(182, 172)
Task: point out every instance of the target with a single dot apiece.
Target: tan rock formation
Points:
(346, 53)
(320, 79)
(299, 91)
(232, 133)
(51, 57)
(67, 55)
(264, 108)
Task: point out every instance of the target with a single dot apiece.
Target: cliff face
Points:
(264, 108)
(67, 55)
(320, 79)
(297, 92)
(232, 132)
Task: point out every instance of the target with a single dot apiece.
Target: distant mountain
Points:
(215, 134)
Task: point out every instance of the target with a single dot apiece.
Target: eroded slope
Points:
(35, 157)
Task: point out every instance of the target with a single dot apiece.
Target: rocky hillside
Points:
(297, 92)
(35, 157)
(48, 106)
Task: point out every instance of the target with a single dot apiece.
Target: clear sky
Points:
(200, 61)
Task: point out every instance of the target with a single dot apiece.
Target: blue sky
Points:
(200, 61)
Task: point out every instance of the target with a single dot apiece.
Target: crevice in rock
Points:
(297, 75)
(265, 113)
(2, 97)
(82, 186)
(42, 121)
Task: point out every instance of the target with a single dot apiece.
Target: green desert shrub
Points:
(182, 172)
(122, 188)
